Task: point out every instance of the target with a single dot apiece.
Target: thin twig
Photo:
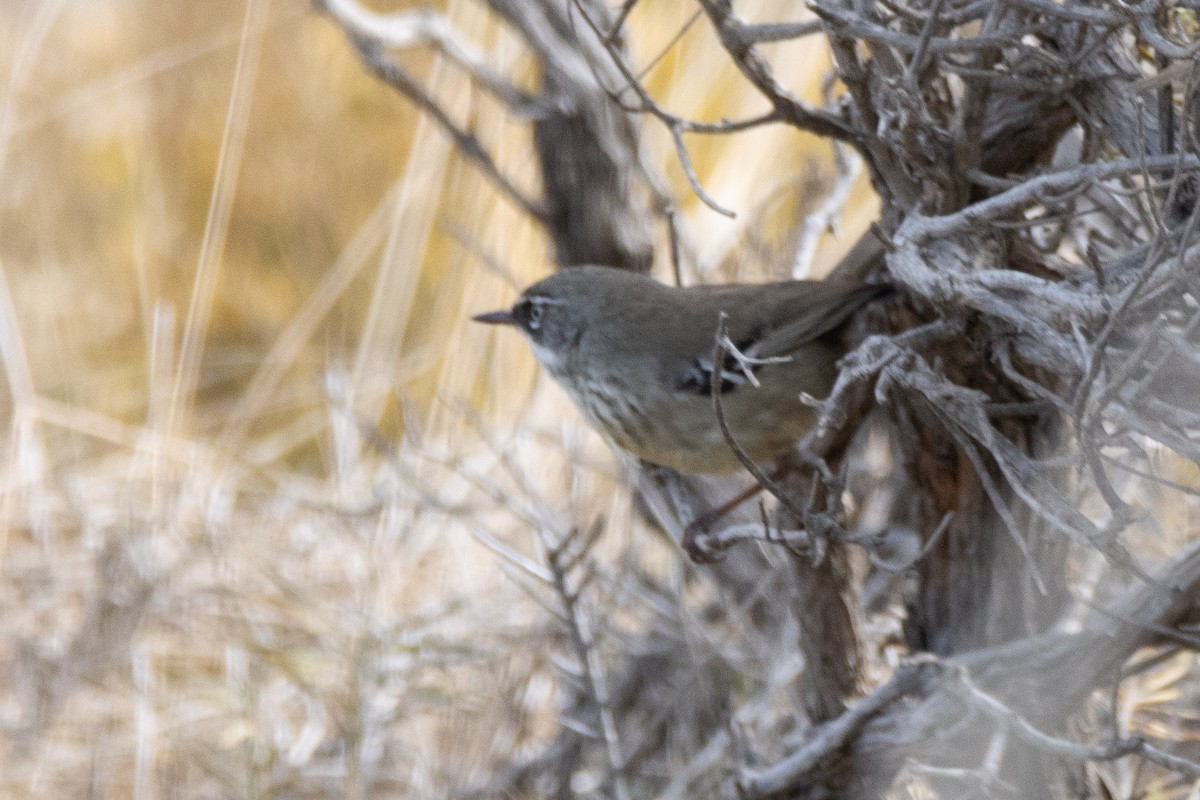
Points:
(715, 380)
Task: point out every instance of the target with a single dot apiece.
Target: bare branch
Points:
(827, 741)
(371, 42)
(425, 27)
(1036, 190)
(778, 31)
(740, 47)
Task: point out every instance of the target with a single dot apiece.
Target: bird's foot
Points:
(703, 546)
(700, 545)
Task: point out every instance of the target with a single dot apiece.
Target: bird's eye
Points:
(533, 316)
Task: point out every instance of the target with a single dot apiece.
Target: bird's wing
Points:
(775, 334)
(823, 316)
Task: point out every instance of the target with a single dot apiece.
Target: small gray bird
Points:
(635, 355)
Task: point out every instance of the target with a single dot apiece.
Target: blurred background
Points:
(269, 500)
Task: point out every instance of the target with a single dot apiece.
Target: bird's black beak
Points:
(504, 317)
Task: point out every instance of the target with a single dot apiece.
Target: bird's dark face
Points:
(549, 322)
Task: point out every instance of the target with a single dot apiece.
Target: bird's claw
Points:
(699, 545)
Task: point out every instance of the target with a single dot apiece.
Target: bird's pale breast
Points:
(680, 429)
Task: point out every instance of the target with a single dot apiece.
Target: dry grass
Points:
(260, 476)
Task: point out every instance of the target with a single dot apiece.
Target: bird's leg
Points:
(700, 525)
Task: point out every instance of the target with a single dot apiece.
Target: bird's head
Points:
(554, 313)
